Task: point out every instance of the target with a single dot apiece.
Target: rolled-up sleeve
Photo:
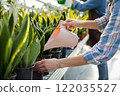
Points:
(102, 22)
(110, 39)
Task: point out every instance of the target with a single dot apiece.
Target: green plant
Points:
(12, 44)
(32, 50)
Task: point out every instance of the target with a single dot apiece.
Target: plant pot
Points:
(47, 56)
(12, 76)
(24, 73)
(63, 52)
(56, 54)
(37, 76)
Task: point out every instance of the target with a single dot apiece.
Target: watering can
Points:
(68, 3)
(61, 38)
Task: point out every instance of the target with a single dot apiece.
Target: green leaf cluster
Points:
(11, 44)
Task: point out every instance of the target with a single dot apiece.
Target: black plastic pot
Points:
(56, 54)
(24, 73)
(47, 56)
(37, 76)
(12, 76)
(63, 52)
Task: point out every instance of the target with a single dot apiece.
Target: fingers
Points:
(41, 66)
(67, 24)
(70, 27)
(69, 20)
(46, 65)
(37, 67)
(39, 62)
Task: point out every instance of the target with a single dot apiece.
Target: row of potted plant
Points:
(22, 44)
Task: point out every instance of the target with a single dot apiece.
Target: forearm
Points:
(72, 61)
(90, 24)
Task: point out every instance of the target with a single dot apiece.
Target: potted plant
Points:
(25, 67)
(12, 44)
(31, 49)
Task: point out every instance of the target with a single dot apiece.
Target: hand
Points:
(46, 65)
(73, 1)
(70, 24)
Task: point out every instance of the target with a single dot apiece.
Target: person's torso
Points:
(102, 6)
(101, 10)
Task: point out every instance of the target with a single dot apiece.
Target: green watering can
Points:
(68, 3)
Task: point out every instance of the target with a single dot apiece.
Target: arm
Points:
(88, 5)
(90, 24)
(72, 61)
(109, 43)
(48, 65)
(99, 23)
(101, 52)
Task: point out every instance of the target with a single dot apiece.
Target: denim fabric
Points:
(103, 71)
(98, 6)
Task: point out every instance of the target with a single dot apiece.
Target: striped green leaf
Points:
(4, 37)
(18, 43)
(31, 54)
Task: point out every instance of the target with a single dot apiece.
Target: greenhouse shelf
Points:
(58, 74)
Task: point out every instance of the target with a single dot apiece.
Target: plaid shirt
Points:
(110, 38)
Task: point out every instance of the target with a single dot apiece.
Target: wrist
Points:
(60, 63)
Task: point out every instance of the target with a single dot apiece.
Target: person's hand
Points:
(46, 65)
(73, 1)
(70, 24)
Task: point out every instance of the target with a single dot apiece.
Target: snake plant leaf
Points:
(18, 43)
(11, 28)
(20, 20)
(4, 37)
(11, 24)
(31, 54)
(6, 16)
(55, 22)
(1, 10)
(64, 15)
(48, 21)
(43, 22)
(31, 34)
(37, 18)
(0, 26)
(51, 17)
(48, 33)
(61, 18)
(20, 54)
(43, 14)
(42, 43)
